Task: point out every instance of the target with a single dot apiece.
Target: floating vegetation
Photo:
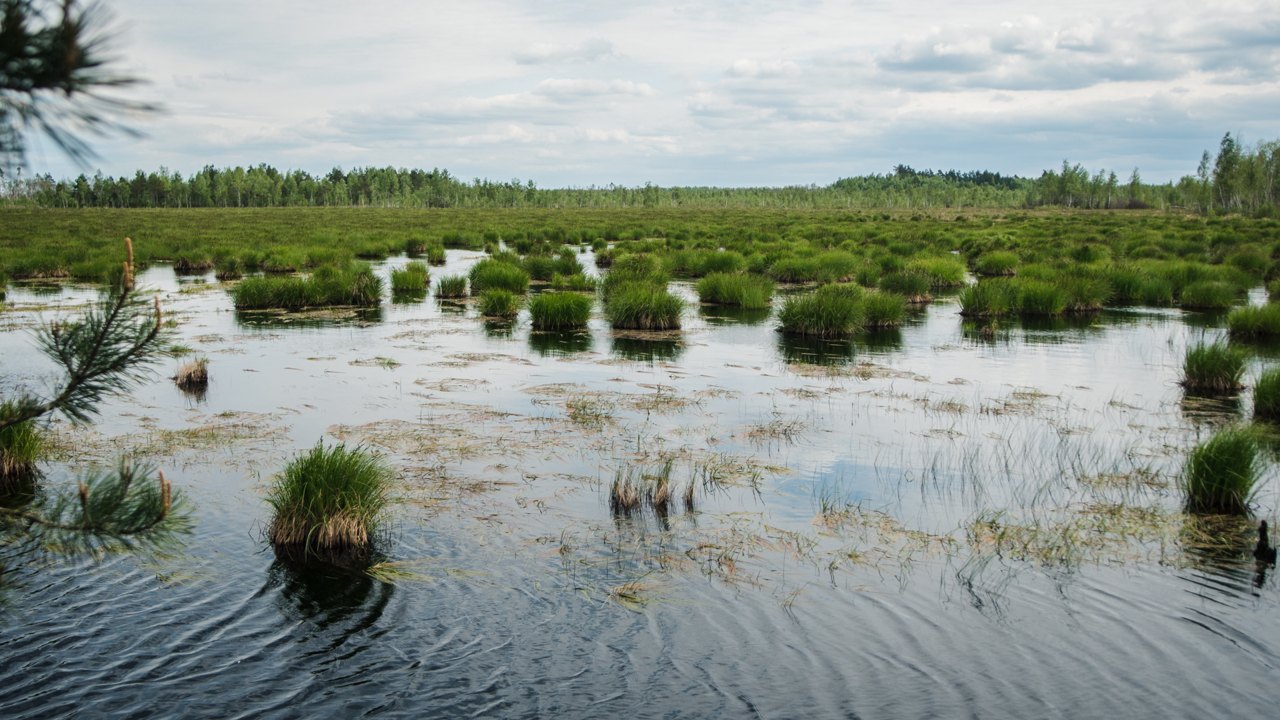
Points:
(1220, 473)
(327, 504)
(1213, 368)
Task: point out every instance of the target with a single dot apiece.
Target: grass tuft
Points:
(412, 279)
(1266, 396)
(20, 448)
(193, 376)
(1220, 473)
(560, 311)
(328, 286)
(830, 311)
(746, 291)
(451, 286)
(499, 303)
(643, 306)
(1213, 368)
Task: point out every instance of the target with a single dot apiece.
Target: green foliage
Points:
(1220, 473)
(631, 269)
(451, 286)
(643, 306)
(329, 286)
(1266, 396)
(912, 284)
(830, 311)
(996, 263)
(20, 449)
(746, 291)
(1251, 322)
(560, 311)
(989, 298)
(1213, 368)
(498, 303)
(1135, 285)
(576, 283)
(412, 279)
(1208, 295)
(326, 504)
(943, 272)
(883, 309)
(495, 274)
(1034, 297)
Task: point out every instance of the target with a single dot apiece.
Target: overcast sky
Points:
(728, 92)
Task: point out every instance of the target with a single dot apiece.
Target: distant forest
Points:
(1236, 179)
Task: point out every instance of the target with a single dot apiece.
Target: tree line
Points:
(1236, 179)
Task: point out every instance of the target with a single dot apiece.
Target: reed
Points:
(1255, 322)
(1213, 368)
(499, 303)
(1266, 396)
(495, 274)
(412, 279)
(643, 306)
(1220, 474)
(451, 286)
(828, 312)
(326, 504)
(745, 291)
(560, 311)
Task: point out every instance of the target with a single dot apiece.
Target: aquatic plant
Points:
(1133, 285)
(575, 283)
(187, 265)
(451, 286)
(883, 309)
(828, 312)
(496, 274)
(912, 284)
(988, 298)
(631, 269)
(1213, 368)
(643, 306)
(193, 375)
(942, 272)
(412, 279)
(20, 447)
(746, 291)
(1252, 321)
(1220, 473)
(499, 303)
(636, 485)
(1266, 395)
(327, 503)
(1034, 297)
(329, 286)
(560, 310)
(1207, 295)
(996, 263)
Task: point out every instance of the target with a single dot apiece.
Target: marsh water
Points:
(932, 522)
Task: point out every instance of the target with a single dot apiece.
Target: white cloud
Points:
(591, 50)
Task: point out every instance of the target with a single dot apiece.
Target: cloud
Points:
(573, 89)
(591, 50)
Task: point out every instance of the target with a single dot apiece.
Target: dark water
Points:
(514, 592)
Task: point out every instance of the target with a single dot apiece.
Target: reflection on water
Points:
(560, 343)
(329, 595)
(726, 315)
(647, 350)
(312, 319)
(815, 351)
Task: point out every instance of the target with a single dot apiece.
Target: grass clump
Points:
(560, 311)
(451, 286)
(643, 306)
(1213, 368)
(1255, 322)
(20, 448)
(829, 311)
(883, 309)
(327, 502)
(943, 272)
(1220, 473)
(412, 279)
(988, 298)
(631, 269)
(499, 303)
(746, 291)
(1266, 396)
(328, 286)
(193, 376)
(577, 282)
(912, 284)
(999, 263)
(1208, 295)
(495, 274)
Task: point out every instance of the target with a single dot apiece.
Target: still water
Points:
(930, 522)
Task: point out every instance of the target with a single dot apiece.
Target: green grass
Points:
(630, 269)
(1213, 368)
(913, 284)
(499, 303)
(328, 286)
(560, 311)
(1208, 295)
(20, 449)
(412, 279)
(883, 310)
(451, 286)
(745, 291)
(643, 306)
(943, 272)
(1255, 322)
(326, 503)
(1038, 298)
(495, 274)
(989, 298)
(1266, 396)
(831, 311)
(1220, 474)
(996, 263)
(576, 283)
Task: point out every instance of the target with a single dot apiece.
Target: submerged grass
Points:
(1213, 368)
(560, 311)
(1221, 472)
(327, 504)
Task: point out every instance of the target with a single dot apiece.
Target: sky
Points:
(571, 93)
